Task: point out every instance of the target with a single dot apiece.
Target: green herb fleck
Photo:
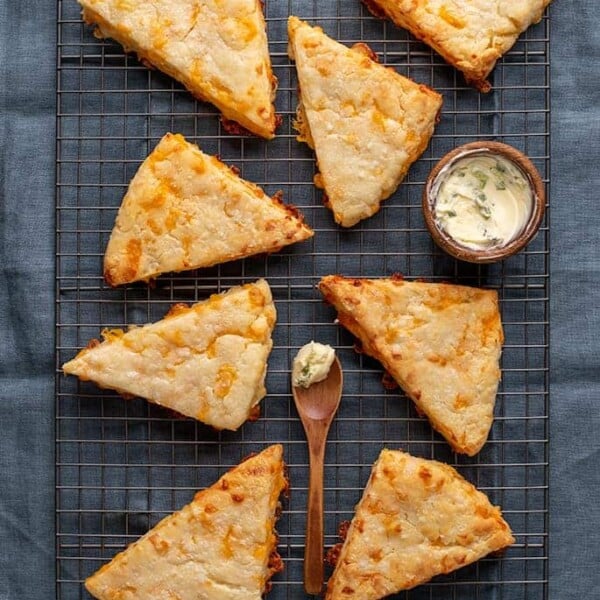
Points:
(485, 211)
(500, 185)
(481, 177)
(501, 168)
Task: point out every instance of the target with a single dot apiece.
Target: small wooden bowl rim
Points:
(448, 243)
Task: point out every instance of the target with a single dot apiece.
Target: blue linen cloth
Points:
(575, 305)
(27, 134)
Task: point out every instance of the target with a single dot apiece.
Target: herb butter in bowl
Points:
(483, 202)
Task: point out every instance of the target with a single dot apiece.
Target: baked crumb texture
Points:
(185, 210)
(207, 361)
(221, 545)
(470, 34)
(417, 519)
(366, 123)
(440, 342)
(217, 49)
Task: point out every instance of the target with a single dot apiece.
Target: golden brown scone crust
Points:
(207, 361)
(220, 546)
(470, 34)
(440, 342)
(417, 519)
(186, 210)
(216, 48)
(366, 123)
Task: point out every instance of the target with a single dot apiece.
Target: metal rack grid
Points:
(123, 465)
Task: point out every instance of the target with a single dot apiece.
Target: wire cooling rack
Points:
(123, 465)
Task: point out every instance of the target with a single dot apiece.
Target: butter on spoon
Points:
(312, 364)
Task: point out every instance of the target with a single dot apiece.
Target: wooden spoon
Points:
(317, 406)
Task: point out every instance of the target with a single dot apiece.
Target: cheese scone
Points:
(186, 210)
(216, 48)
(207, 361)
(366, 123)
(417, 519)
(470, 34)
(440, 342)
(221, 545)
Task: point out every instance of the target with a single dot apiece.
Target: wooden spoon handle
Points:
(313, 551)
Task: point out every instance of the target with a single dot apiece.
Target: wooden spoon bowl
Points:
(317, 406)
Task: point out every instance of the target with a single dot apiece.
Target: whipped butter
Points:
(482, 200)
(312, 364)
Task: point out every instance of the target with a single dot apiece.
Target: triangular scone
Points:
(216, 48)
(221, 545)
(186, 210)
(417, 519)
(366, 123)
(207, 361)
(440, 342)
(470, 34)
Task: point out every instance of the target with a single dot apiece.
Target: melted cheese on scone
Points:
(470, 34)
(417, 519)
(440, 342)
(207, 361)
(216, 48)
(366, 123)
(221, 546)
(186, 210)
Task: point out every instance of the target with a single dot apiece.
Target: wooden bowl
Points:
(487, 255)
